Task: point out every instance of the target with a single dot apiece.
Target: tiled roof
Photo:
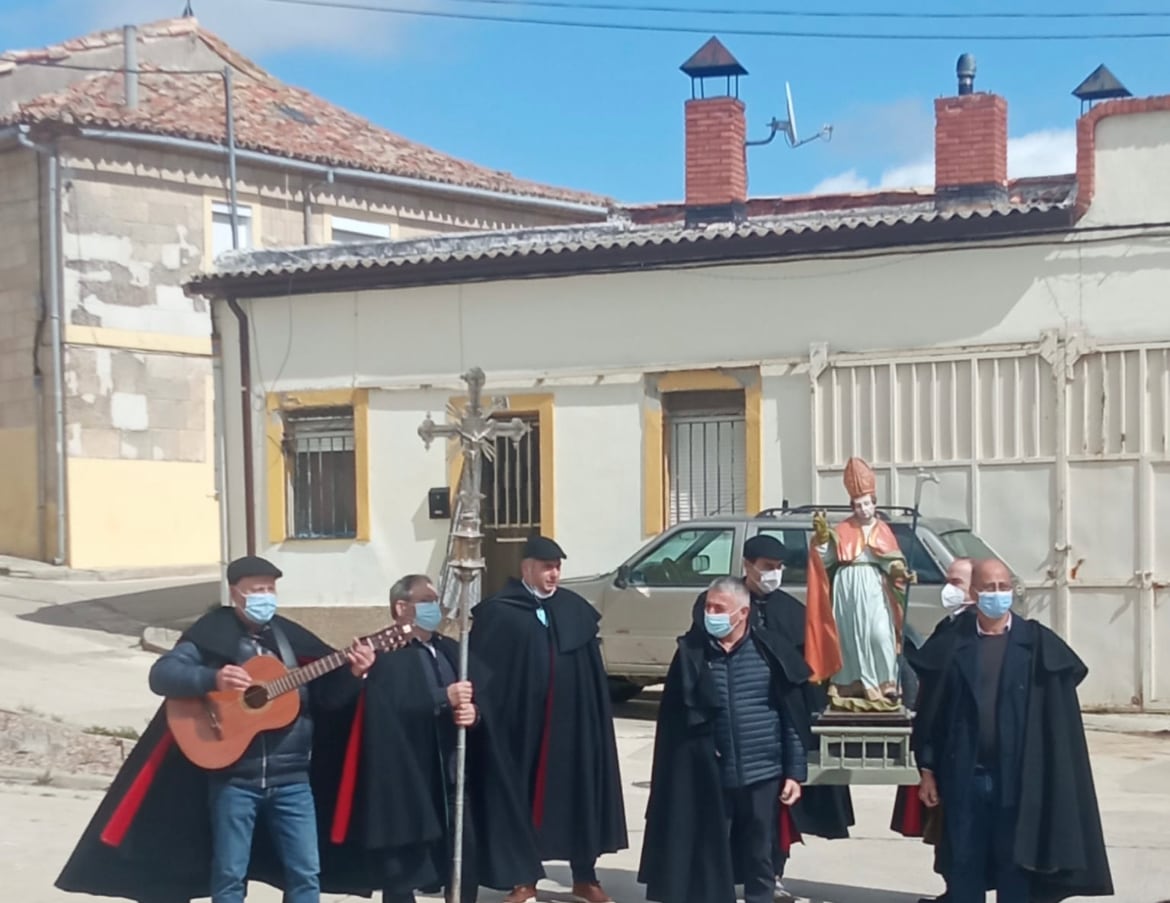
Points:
(625, 233)
(270, 116)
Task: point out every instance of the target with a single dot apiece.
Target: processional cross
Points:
(477, 431)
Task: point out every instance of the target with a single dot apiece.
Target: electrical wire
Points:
(817, 14)
(746, 32)
(75, 67)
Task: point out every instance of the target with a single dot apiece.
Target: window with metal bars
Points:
(706, 454)
(321, 473)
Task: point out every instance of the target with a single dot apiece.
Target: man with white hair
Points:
(730, 747)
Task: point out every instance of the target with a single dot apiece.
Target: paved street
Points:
(87, 675)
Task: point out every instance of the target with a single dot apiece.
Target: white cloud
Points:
(1047, 152)
(258, 27)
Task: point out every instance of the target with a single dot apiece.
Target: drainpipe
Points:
(242, 323)
(221, 479)
(52, 206)
(130, 65)
(308, 205)
(246, 409)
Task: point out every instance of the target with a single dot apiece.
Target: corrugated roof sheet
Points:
(271, 117)
(619, 232)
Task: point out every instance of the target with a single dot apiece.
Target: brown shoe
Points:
(590, 893)
(525, 893)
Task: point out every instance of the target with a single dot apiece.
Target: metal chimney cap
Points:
(965, 69)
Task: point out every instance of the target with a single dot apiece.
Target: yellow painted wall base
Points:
(18, 493)
(134, 514)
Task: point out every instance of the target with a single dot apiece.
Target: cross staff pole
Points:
(477, 432)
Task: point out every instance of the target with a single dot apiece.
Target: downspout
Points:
(242, 323)
(53, 209)
(246, 410)
(221, 479)
(308, 205)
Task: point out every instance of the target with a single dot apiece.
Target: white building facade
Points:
(1015, 343)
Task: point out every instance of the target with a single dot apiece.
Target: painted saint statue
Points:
(857, 579)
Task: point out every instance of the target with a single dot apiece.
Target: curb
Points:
(63, 781)
(159, 639)
(114, 575)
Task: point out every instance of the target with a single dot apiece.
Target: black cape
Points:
(562, 742)
(397, 812)
(823, 810)
(910, 817)
(1059, 840)
(686, 856)
(150, 837)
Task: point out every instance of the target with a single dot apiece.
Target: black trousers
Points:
(400, 888)
(752, 820)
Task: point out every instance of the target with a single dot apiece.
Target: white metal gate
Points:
(1056, 453)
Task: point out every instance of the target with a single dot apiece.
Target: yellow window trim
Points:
(243, 199)
(276, 467)
(540, 405)
(654, 475)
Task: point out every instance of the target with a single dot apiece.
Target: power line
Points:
(816, 14)
(75, 67)
(748, 32)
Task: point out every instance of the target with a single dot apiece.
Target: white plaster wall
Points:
(1132, 165)
(598, 475)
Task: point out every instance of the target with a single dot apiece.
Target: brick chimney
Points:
(970, 142)
(716, 132)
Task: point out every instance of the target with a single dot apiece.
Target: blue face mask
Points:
(995, 604)
(260, 607)
(718, 625)
(428, 615)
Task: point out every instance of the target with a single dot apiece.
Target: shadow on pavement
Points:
(817, 892)
(173, 607)
(642, 708)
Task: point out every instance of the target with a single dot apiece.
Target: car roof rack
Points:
(884, 511)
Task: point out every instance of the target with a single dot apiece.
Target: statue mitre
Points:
(859, 479)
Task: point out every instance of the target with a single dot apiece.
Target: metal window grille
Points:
(707, 463)
(322, 476)
(511, 483)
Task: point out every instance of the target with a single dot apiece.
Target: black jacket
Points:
(1044, 759)
(686, 856)
(274, 757)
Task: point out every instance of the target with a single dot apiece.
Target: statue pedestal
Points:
(863, 748)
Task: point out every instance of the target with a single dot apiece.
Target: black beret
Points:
(251, 566)
(763, 546)
(541, 548)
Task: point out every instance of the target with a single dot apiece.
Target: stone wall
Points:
(20, 304)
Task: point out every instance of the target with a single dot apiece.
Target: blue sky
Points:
(603, 110)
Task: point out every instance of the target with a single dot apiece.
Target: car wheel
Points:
(622, 689)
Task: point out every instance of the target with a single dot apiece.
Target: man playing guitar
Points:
(164, 820)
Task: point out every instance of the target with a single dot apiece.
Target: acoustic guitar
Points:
(215, 730)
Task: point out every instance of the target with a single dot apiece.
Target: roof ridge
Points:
(114, 37)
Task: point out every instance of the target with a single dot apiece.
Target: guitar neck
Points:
(298, 677)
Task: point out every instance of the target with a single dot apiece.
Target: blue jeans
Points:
(292, 821)
(991, 852)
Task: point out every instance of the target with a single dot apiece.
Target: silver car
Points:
(647, 603)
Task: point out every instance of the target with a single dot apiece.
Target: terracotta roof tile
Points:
(270, 116)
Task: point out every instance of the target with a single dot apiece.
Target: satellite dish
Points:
(792, 139)
(788, 127)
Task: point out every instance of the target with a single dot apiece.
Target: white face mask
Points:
(953, 597)
(539, 595)
(770, 580)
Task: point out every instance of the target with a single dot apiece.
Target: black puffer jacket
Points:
(274, 757)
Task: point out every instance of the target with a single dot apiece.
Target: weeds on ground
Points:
(122, 733)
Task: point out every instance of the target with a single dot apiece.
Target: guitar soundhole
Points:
(256, 697)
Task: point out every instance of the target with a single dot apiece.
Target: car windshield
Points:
(965, 544)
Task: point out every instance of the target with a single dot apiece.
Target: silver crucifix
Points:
(477, 431)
